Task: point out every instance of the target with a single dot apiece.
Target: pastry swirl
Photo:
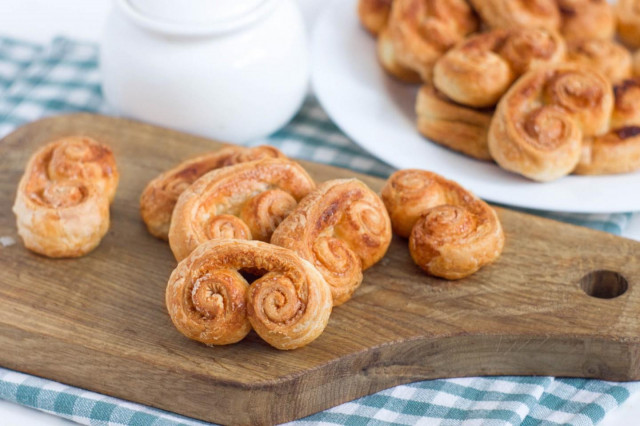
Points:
(519, 13)
(245, 200)
(628, 14)
(422, 30)
(626, 110)
(62, 202)
(374, 14)
(540, 123)
(606, 56)
(452, 233)
(617, 151)
(479, 71)
(458, 127)
(587, 19)
(342, 228)
(161, 194)
(387, 58)
(210, 301)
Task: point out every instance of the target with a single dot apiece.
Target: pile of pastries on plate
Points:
(544, 88)
(260, 244)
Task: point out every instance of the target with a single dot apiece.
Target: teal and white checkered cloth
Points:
(37, 81)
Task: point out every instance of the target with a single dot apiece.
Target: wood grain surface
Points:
(99, 322)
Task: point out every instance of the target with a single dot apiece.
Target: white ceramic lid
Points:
(194, 12)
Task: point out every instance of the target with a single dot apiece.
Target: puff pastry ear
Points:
(421, 31)
(247, 200)
(62, 203)
(587, 19)
(458, 127)
(628, 14)
(342, 228)
(161, 194)
(452, 233)
(210, 301)
(606, 56)
(479, 71)
(374, 14)
(541, 121)
(519, 13)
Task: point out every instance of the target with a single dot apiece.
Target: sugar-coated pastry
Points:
(607, 56)
(636, 63)
(389, 61)
(617, 151)
(452, 233)
(247, 200)
(374, 14)
(342, 228)
(519, 13)
(422, 30)
(539, 125)
(587, 19)
(458, 127)
(210, 301)
(479, 71)
(62, 202)
(628, 14)
(161, 194)
(626, 110)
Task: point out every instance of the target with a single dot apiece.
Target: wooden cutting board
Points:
(546, 307)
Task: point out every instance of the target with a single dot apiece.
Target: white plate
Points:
(378, 113)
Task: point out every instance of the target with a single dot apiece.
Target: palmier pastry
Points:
(342, 228)
(626, 111)
(247, 200)
(610, 58)
(617, 151)
(422, 30)
(458, 127)
(452, 233)
(636, 63)
(540, 122)
(62, 203)
(587, 19)
(374, 14)
(389, 61)
(628, 14)
(519, 13)
(159, 197)
(479, 71)
(210, 301)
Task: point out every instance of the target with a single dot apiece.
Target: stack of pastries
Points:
(260, 246)
(541, 87)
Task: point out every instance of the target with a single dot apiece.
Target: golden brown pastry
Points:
(587, 19)
(458, 127)
(626, 111)
(452, 233)
(62, 203)
(342, 228)
(610, 58)
(247, 200)
(617, 151)
(636, 63)
(389, 62)
(628, 14)
(519, 13)
(159, 197)
(374, 14)
(210, 301)
(540, 122)
(479, 71)
(422, 30)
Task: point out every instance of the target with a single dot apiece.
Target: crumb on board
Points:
(7, 241)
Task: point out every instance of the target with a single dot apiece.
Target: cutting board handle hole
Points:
(604, 284)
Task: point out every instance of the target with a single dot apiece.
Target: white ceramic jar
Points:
(232, 70)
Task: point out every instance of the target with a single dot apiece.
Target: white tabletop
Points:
(41, 20)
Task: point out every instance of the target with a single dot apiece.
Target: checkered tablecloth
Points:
(37, 81)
